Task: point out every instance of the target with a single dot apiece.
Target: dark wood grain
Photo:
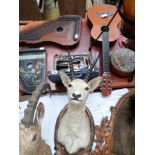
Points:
(72, 7)
(29, 10)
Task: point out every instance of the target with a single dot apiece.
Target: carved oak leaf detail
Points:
(118, 133)
(102, 133)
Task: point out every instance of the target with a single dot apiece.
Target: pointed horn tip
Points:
(46, 85)
(86, 80)
(74, 77)
(49, 88)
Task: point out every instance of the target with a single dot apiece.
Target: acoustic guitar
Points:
(100, 15)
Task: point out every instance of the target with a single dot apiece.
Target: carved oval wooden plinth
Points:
(117, 135)
(60, 149)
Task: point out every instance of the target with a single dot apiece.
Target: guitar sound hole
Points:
(59, 29)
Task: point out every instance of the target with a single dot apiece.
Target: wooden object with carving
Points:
(117, 135)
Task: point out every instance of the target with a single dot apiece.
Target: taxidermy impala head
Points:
(78, 89)
(30, 141)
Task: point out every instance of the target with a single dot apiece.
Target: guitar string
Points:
(103, 28)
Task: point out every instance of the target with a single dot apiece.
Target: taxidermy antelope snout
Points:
(77, 89)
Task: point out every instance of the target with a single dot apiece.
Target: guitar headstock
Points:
(106, 84)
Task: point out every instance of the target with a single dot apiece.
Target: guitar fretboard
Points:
(105, 52)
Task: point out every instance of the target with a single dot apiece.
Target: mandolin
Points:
(100, 15)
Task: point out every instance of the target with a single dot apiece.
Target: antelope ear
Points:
(65, 79)
(94, 83)
(40, 113)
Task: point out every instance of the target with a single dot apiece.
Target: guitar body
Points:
(100, 15)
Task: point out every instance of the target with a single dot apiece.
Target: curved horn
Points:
(71, 65)
(32, 103)
(86, 78)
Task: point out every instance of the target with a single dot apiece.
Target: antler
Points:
(86, 78)
(32, 103)
(71, 65)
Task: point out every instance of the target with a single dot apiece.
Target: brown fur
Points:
(30, 140)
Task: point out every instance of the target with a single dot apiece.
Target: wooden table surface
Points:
(82, 47)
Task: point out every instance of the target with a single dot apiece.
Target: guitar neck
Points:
(105, 52)
(106, 78)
